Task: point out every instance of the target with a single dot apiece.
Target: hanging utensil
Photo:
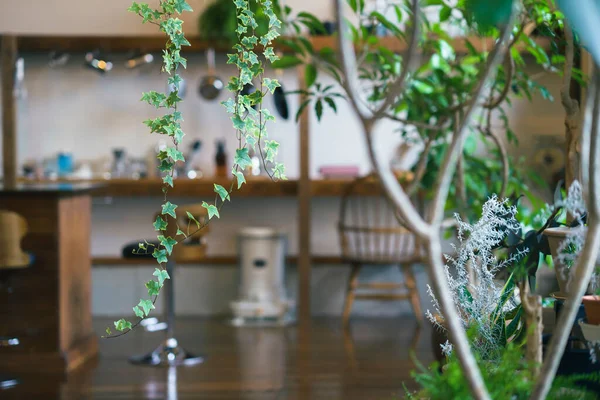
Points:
(211, 85)
(281, 104)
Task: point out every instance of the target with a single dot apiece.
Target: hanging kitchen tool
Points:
(138, 59)
(279, 99)
(211, 85)
(58, 58)
(97, 61)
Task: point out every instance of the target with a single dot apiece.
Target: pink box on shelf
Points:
(340, 171)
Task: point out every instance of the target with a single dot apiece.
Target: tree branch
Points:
(571, 107)
(421, 167)
(509, 67)
(449, 163)
(398, 85)
(586, 261)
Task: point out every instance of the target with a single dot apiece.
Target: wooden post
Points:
(304, 212)
(9, 111)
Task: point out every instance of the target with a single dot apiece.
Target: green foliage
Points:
(510, 377)
(247, 114)
(442, 83)
(165, 18)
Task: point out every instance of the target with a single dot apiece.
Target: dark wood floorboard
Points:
(372, 361)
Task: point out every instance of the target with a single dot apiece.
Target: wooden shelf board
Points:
(109, 261)
(155, 44)
(255, 187)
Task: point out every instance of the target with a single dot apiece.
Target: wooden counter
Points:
(255, 187)
(49, 306)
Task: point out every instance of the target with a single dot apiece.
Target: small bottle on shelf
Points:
(221, 160)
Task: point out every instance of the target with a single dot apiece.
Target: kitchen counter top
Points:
(58, 188)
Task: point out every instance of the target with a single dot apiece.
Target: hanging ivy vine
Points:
(248, 116)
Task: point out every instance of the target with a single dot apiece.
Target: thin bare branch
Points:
(449, 163)
(571, 107)
(348, 64)
(397, 86)
(509, 67)
(414, 222)
(418, 124)
(587, 258)
(504, 160)
(421, 167)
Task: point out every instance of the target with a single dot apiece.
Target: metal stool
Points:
(169, 352)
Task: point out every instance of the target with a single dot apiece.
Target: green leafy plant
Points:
(250, 124)
(509, 377)
(440, 86)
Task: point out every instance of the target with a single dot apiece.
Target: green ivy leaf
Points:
(160, 255)
(279, 171)
(267, 114)
(222, 192)
(108, 331)
(271, 84)
(181, 6)
(241, 179)
(229, 105)
(162, 275)
(180, 232)
(268, 52)
(138, 312)
(153, 288)
(175, 80)
(165, 166)
(168, 242)
(242, 158)
(146, 305)
(169, 209)
(122, 325)
(271, 147)
(160, 224)
(212, 210)
(191, 217)
(175, 154)
(168, 179)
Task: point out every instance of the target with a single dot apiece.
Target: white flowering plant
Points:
(484, 304)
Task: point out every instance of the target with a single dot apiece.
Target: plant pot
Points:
(555, 237)
(592, 309)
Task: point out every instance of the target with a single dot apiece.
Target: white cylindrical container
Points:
(262, 265)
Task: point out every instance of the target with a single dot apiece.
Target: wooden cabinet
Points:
(48, 306)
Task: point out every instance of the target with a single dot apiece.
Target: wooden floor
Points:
(372, 361)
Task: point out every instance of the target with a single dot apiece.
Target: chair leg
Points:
(350, 293)
(411, 285)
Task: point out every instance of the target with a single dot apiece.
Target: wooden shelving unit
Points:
(204, 187)
(155, 44)
(224, 260)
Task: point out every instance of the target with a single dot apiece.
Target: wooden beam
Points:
(304, 196)
(8, 53)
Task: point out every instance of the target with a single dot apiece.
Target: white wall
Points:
(74, 108)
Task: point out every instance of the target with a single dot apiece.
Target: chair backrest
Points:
(371, 230)
(13, 228)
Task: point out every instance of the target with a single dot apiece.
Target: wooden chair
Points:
(371, 233)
